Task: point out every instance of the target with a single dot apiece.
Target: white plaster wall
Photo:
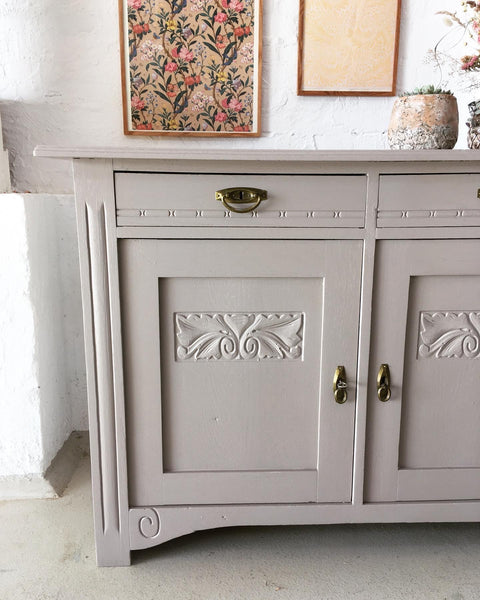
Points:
(60, 85)
(55, 299)
(42, 372)
(20, 430)
(72, 324)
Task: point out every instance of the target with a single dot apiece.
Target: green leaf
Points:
(162, 96)
(211, 47)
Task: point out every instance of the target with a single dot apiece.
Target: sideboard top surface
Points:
(245, 155)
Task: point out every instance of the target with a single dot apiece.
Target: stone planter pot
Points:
(424, 122)
(473, 137)
(473, 125)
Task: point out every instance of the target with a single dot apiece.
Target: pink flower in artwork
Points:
(236, 5)
(235, 105)
(171, 66)
(224, 103)
(220, 41)
(221, 117)
(185, 54)
(135, 4)
(137, 103)
(221, 17)
(174, 53)
(225, 3)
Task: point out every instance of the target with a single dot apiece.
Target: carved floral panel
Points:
(239, 336)
(449, 334)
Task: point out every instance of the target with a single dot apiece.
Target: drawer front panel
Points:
(429, 200)
(168, 199)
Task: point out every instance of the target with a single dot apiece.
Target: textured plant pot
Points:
(424, 122)
(473, 137)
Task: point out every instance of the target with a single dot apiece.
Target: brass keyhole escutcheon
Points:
(383, 383)
(340, 385)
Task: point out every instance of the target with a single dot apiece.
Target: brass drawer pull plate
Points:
(340, 385)
(383, 383)
(231, 197)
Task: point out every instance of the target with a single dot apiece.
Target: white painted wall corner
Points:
(42, 373)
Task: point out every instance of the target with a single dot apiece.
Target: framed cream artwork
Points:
(348, 48)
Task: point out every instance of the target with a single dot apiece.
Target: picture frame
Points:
(348, 49)
(191, 67)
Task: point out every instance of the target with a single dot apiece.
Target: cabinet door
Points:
(424, 443)
(230, 348)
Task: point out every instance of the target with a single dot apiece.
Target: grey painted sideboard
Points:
(315, 360)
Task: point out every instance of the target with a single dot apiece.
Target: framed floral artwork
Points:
(348, 48)
(191, 67)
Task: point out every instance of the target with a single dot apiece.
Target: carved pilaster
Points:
(99, 273)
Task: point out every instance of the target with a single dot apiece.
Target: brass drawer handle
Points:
(340, 385)
(251, 196)
(383, 384)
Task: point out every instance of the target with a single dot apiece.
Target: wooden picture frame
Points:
(191, 67)
(349, 49)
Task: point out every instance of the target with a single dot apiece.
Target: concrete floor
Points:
(47, 553)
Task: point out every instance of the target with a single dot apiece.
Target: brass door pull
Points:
(340, 385)
(230, 197)
(383, 383)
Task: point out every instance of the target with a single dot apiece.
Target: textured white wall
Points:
(60, 85)
(41, 357)
(20, 431)
(54, 293)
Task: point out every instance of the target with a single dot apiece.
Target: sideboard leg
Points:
(111, 554)
(95, 206)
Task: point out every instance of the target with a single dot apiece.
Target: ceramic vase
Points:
(424, 122)
(473, 124)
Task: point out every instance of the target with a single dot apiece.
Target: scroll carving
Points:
(449, 334)
(149, 523)
(239, 336)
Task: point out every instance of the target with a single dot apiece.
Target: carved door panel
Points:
(424, 443)
(230, 348)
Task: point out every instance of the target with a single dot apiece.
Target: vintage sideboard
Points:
(314, 359)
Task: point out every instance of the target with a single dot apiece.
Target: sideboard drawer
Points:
(445, 200)
(178, 199)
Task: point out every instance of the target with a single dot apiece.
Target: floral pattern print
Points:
(192, 66)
